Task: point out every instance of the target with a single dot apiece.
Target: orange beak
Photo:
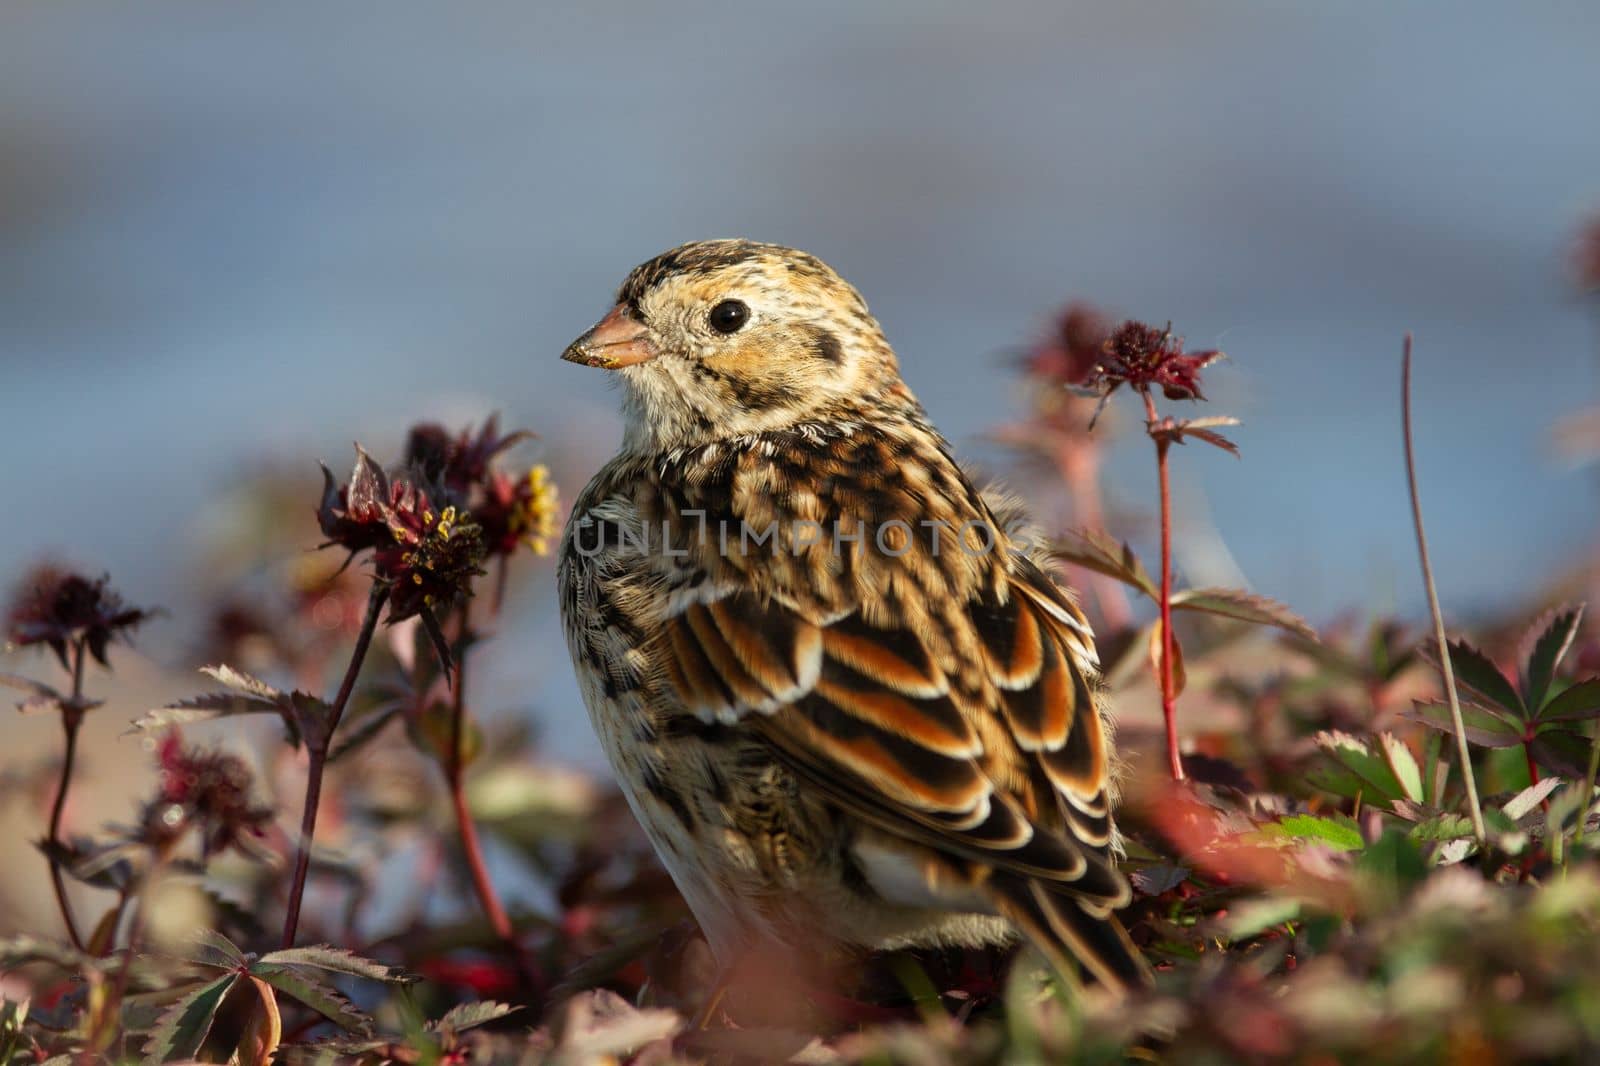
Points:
(617, 340)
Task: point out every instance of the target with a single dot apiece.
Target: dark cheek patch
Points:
(826, 346)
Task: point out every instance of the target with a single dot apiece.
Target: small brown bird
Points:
(841, 693)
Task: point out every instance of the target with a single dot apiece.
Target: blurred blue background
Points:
(236, 236)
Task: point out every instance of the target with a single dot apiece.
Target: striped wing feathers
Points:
(977, 736)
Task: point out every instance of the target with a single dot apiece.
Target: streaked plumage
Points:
(877, 743)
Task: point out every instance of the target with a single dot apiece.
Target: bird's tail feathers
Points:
(1070, 936)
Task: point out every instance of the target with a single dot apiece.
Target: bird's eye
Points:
(729, 316)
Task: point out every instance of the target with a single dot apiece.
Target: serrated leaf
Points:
(41, 697)
(1577, 702)
(1339, 781)
(1340, 834)
(337, 960)
(1403, 765)
(202, 708)
(1523, 803)
(213, 949)
(1356, 756)
(1096, 551)
(1548, 651)
(183, 1026)
(1483, 726)
(241, 682)
(464, 1016)
(1476, 672)
(1211, 437)
(1244, 607)
(309, 989)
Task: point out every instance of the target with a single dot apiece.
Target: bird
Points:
(836, 681)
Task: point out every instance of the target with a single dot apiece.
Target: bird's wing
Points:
(976, 735)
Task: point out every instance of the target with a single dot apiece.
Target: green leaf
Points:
(184, 1025)
(314, 993)
(464, 1016)
(1548, 651)
(337, 960)
(1370, 769)
(1577, 702)
(1476, 671)
(1443, 827)
(1403, 765)
(1394, 862)
(1244, 607)
(1485, 726)
(1095, 551)
(1252, 917)
(1340, 833)
(217, 951)
(1523, 803)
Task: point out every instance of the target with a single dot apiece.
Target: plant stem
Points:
(317, 750)
(1169, 694)
(71, 720)
(471, 845)
(1433, 601)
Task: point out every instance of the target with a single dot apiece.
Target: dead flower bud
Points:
(208, 791)
(1072, 349)
(1143, 357)
(56, 608)
(424, 556)
(462, 464)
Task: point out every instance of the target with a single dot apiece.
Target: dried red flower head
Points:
(208, 791)
(426, 557)
(1072, 350)
(458, 466)
(460, 470)
(1143, 357)
(58, 608)
(516, 511)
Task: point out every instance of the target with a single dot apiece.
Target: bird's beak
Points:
(617, 340)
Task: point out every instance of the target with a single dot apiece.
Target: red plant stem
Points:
(1169, 695)
(71, 719)
(1533, 773)
(471, 845)
(317, 750)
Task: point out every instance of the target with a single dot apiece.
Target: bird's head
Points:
(721, 338)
